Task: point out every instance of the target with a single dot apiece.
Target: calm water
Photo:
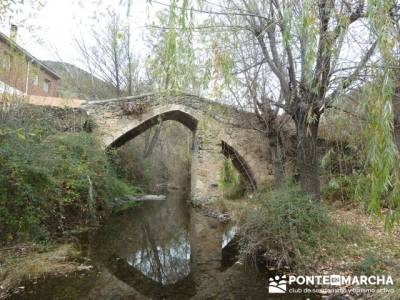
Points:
(161, 250)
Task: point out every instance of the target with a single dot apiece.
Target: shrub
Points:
(371, 264)
(340, 187)
(341, 170)
(289, 224)
(50, 183)
(231, 183)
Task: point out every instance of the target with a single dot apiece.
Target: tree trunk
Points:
(276, 149)
(152, 143)
(308, 160)
(129, 56)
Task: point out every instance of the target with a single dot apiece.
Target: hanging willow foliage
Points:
(175, 66)
(382, 168)
(182, 63)
(309, 31)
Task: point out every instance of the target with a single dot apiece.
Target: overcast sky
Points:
(49, 33)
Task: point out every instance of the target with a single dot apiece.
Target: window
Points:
(6, 61)
(46, 85)
(35, 79)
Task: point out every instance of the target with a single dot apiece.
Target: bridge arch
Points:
(177, 113)
(218, 130)
(190, 120)
(240, 164)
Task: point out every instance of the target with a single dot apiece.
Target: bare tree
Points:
(315, 52)
(110, 56)
(253, 90)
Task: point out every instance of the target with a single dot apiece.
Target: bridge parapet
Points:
(138, 105)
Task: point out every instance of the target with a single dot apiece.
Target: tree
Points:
(110, 57)
(305, 47)
(395, 16)
(169, 69)
(7, 5)
(253, 90)
(382, 113)
(20, 12)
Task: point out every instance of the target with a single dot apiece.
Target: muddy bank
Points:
(29, 262)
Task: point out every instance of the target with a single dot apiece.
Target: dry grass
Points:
(362, 239)
(232, 207)
(31, 262)
(371, 244)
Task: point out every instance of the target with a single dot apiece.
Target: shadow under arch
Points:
(190, 121)
(184, 288)
(240, 164)
(180, 116)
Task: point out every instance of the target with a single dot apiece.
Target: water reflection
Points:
(229, 234)
(161, 250)
(165, 263)
(153, 239)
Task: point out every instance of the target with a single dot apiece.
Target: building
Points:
(23, 74)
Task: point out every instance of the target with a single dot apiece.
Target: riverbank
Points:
(28, 263)
(359, 245)
(55, 179)
(31, 262)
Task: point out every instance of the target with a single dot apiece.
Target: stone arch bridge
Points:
(219, 131)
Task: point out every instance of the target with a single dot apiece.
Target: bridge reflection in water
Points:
(162, 250)
(167, 250)
(166, 265)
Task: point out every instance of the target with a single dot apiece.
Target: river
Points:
(160, 250)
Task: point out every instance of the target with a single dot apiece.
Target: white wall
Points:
(5, 88)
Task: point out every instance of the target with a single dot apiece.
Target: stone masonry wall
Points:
(119, 120)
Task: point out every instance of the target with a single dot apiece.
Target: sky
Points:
(48, 33)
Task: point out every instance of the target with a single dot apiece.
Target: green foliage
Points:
(382, 167)
(349, 232)
(173, 62)
(291, 225)
(340, 187)
(308, 29)
(379, 188)
(230, 180)
(287, 17)
(369, 265)
(228, 174)
(48, 184)
(293, 229)
(341, 168)
(222, 64)
(380, 146)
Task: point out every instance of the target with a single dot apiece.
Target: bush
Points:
(292, 226)
(341, 170)
(371, 264)
(340, 187)
(49, 183)
(231, 182)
